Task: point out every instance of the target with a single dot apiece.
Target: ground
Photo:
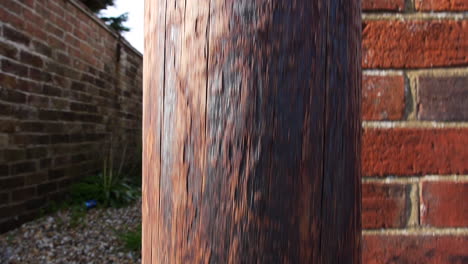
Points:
(68, 237)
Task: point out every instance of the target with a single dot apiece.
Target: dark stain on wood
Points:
(251, 131)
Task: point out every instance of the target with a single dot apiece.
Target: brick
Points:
(16, 36)
(38, 101)
(4, 198)
(42, 48)
(88, 78)
(105, 94)
(46, 188)
(57, 9)
(10, 210)
(60, 81)
(443, 98)
(56, 127)
(29, 3)
(11, 183)
(56, 43)
(31, 126)
(35, 178)
(39, 75)
(59, 139)
(56, 174)
(12, 6)
(414, 43)
(12, 96)
(8, 224)
(383, 97)
(60, 162)
(14, 154)
(12, 19)
(71, 73)
(28, 86)
(4, 138)
(23, 167)
(64, 184)
(35, 204)
(34, 153)
(55, 67)
(29, 15)
(45, 163)
(77, 86)
(8, 81)
(89, 118)
(441, 5)
(4, 170)
(51, 90)
(14, 68)
(31, 59)
(51, 28)
(8, 50)
(20, 218)
(8, 126)
(79, 107)
(19, 111)
(43, 58)
(86, 137)
(56, 115)
(29, 139)
(444, 203)
(412, 151)
(428, 249)
(59, 104)
(24, 194)
(35, 31)
(78, 158)
(100, 83)
(383, 5)
(385, 205)
(63, 24)
(63, 58)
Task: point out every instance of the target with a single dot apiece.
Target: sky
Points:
(135, 20)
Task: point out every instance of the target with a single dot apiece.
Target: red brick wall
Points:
(415, 141)
(66, 84)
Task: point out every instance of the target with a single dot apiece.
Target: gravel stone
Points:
(52, 239)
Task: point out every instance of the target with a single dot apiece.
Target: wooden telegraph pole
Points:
(251, 131)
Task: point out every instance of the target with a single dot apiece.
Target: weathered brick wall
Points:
(415, 145)
(66, 84)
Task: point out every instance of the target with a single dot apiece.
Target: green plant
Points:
(77, 214)
(133, 167)
(97, 5)
(107, 189)
(117, 23)
(10, 238)
(131, 239)
(117, 185)
(54, 207)
(110, 188)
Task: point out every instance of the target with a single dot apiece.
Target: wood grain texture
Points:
(251, 131)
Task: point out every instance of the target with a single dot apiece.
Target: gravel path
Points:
(52, 239)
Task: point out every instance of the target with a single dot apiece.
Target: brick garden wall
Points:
(66, 84)
(415, 145)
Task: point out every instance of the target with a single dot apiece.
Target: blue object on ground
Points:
(90, 204)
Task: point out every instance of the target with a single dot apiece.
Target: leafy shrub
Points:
(110, 188)
(107, 191)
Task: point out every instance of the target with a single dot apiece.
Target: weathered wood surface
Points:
(251, 131)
